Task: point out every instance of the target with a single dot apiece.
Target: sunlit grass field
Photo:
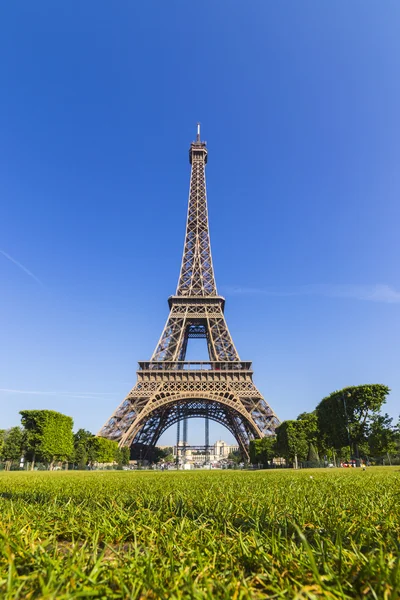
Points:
(224, 534)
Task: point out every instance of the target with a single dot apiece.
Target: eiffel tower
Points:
(169, 389)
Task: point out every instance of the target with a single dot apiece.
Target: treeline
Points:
(47, 437)
(347, 425)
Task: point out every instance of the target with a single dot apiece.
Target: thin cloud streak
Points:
(372, 293)
(86, 395)
(10, 258)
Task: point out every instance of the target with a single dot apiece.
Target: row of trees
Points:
(46, 436)
(348, 424)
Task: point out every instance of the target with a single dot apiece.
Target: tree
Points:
(313, 435)
(48, 435)
(262, 450)
(344, 416)
(291, 441)
(381, 436)
(2, 438)
(103, 450)
(311, 430)
(161, 454)
(80, 456)
(397, 435)
(312, 456)
(13, 445)
(235, 456)
(125, 455)
(83, 449)
(81, 437)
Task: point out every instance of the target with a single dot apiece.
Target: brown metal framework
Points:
(170, 389)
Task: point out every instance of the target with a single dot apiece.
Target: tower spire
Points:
(197, 274)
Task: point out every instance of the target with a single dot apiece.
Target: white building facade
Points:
(217, 452)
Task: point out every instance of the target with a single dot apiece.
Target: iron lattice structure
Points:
(170, 389)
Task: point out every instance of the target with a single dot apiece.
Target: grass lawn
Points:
(220, 534)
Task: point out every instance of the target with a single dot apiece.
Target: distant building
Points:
(217, 452)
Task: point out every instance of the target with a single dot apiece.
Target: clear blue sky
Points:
(299, 103)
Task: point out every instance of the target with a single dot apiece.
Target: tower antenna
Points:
(198, 132)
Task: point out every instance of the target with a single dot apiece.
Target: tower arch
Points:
(166, 409)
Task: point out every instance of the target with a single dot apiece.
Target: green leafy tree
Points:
(235, 456)
(83, 450)
(48, 435)
(312, 457)
(125, 455)
(291, 441)
(81, 437)
(13, 445)
(103, 450)
(262, 451)
(118, 456)
(253, 452)
(161, 454)
(382, 436)
(80, 456)
(122, 456)
(313, 435)
(344, 416)
(397, 437)
(2, 438)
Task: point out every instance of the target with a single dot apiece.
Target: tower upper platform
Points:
(198, 149)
